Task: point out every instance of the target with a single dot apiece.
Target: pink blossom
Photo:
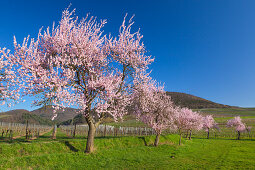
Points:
(9, 90)
(186, 119)
(237, 124)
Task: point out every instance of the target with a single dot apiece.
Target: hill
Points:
(194, 102)
(42, 115)
(21, 116)
(78, 119)
(63, 114)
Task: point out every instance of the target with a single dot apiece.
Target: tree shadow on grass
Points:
(10, 141)
(71, 147)
(107, 137)
(143, 138)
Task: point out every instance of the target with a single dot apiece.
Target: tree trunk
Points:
(238, 135)
(208, 133)
(190, 135)
(91, 136)
(187, 135)
(54, 133)
(180, 139)
(157, 139)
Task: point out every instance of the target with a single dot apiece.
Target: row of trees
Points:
(156, 109)
(158, 112)
(76, 64)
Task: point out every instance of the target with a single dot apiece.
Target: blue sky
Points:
(205, 48)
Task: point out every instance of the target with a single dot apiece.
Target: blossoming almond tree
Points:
(186, 120)
(208, 123)
(154, 107)
(237, 124)
(74, 64)
(195, 122)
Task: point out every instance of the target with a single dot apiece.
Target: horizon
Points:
(200, 48)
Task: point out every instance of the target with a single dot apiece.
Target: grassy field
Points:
(223, 112)
(127, 153)
(133, 152)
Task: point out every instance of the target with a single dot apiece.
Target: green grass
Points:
(128, 121)
(229, 111)
(127, 153)
(245, 119)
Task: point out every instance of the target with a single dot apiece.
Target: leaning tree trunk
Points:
(91, 136)
(238, 135)
(208, 133)
(157, 139)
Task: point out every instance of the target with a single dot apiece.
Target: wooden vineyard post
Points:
(29, 134)
(54, 133)
(3, 133)
(27, 130)
(74, 131)
(104, 130)
(116, 132)
(11, 135)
